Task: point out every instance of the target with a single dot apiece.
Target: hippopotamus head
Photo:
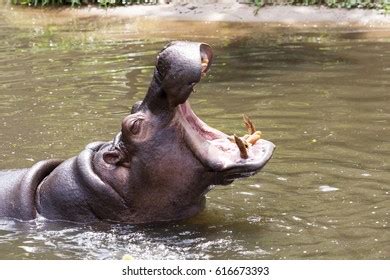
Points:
(165, 158)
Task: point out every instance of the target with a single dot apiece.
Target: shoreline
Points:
(289, 15)
(167, 16)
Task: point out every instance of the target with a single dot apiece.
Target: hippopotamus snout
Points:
(179, 67)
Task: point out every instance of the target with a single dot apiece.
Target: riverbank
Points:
(155, 18)
(239, 13)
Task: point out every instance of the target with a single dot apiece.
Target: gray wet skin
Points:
(158, 168)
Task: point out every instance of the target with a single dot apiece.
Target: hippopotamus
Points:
(157, 168)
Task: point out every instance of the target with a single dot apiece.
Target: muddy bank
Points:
(242, 13)
(224, 11)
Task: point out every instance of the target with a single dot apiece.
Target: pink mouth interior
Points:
(213, 147)
(199, 126)
(211, 137)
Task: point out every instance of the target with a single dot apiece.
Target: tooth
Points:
(241, 146)
(244, 140)
(204, 63)
(249, 125)
(254, 138)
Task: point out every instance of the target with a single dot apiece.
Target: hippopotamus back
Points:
(18, 188)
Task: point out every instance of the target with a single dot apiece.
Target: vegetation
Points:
(103, 3)
(369, 4)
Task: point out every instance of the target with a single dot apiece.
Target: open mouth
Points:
(233, 155)
(180, 65)
(238, 156)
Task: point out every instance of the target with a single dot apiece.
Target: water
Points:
(320, 94)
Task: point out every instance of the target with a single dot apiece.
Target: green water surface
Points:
(321, 94)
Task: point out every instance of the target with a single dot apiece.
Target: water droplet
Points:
(281, 179)
(246, 193)
(326, 188)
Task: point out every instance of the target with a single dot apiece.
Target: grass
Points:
(368, 4)
(349, 4)
(73, 3)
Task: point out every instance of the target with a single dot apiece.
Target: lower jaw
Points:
(216, 152)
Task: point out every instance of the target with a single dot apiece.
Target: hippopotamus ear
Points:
(113, 157)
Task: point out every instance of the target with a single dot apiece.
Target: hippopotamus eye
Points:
(135, 126)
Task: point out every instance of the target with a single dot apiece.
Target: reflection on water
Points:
(320, 94)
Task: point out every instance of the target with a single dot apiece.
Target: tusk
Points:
(204, 63)
(254, 138)
(249, 125)
(241, 146)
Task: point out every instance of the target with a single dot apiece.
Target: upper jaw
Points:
(216, 152)
(180, 66)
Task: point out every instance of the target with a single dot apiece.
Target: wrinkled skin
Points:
(158, 168)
